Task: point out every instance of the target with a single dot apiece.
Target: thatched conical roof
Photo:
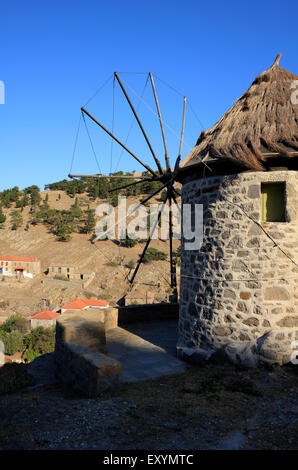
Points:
(262, 123)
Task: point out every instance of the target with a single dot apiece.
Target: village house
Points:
(46, 319)
(19, 267)
(73, 273)
(239, 290)
(84, 304)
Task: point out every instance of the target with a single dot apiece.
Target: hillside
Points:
(106, 258)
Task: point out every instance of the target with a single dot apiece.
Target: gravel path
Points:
(215, 407)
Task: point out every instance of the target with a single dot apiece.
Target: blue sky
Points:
(54, 55)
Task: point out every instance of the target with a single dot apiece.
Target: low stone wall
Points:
(152, 312)
(80, 354)
(60, 283)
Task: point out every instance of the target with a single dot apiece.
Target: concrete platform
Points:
(146, 351)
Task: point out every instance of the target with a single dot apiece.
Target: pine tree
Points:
(16, 220)
(34, 194)
(89, 224)
(75, 209)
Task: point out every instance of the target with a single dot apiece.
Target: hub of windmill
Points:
(166, 177)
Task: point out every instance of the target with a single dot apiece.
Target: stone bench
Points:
(80, 352)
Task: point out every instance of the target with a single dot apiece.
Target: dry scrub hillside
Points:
(108, 261)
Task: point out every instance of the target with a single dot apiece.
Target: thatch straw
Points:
(262, 121)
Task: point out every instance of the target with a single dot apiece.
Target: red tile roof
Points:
(16, 258)
(95, 302)
(83, 303)
(75, 304)
(45, 315)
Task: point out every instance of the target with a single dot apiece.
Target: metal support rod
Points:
(118, 141)
(144, 178)
(183, 124)
(150, 235)
(160, 121)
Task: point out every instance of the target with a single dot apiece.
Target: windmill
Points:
(166, 177)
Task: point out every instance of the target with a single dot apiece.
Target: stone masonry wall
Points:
(35, 322)
(239, 292)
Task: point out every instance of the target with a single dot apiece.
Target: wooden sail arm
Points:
(119, 142)
(133, 184)
(139, 123)
(176, 202)
(160, 122)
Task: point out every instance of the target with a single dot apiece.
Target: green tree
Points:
(114, 199)
(152, 254)
(24, 201)
(103, 188)
(9, 324)
(16, 220)
(129, 242)
(13, 342)
(89, 224)
(63, 233)
(75, 209)
(10, 195)
(34, 193)
(40, 341)
(62, 224)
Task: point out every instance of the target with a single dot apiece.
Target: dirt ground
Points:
(211, 407)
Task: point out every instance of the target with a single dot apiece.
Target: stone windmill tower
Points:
(239, 291)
